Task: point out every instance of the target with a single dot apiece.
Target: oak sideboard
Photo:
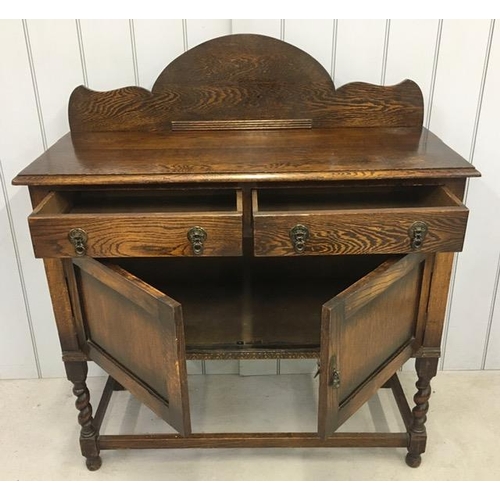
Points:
(245, 208)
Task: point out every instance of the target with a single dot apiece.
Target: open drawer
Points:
(289, 222)
(138, 224)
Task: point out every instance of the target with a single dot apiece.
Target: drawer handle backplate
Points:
(417, 233)
(197, 236)
(298, 236)
(78, 238)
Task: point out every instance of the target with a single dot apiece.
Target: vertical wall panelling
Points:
(385, 50)
(411, 54)
(65, 62)
(314, 36)
(491, 357)
(221, 367)
(134, 51)
(201, 30)
(108, 53)
(360, 50)
(17, 356)
(258, 367)
(334, 49)
(478, 269)
(457, 92)
(158, 42)
(20, 143)
(53, 94)
(298, 366)
(78, 25)
(269, 27)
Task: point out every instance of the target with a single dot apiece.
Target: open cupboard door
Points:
(135, 333)
(368, 331)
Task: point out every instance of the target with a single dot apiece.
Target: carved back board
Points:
(245, 82)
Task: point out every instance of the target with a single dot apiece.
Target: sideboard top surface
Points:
(245, 156)
(245, 108)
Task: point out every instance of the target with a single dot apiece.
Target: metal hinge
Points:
(334, 379)
(334, 375)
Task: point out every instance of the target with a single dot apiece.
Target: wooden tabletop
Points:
(114, 158)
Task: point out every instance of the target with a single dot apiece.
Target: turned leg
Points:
(77, 374)
(426, 370)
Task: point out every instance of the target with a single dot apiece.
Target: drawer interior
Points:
(140, 201)
(332, 199)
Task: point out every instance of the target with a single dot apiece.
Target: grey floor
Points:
(39, 434)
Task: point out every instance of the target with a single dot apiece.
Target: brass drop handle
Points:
(298, 236)
(417, 232)
(78, 238)
(197, 236)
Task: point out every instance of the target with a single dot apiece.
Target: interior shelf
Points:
(252, 308)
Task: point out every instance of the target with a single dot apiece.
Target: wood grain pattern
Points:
(373, 231)
(136, 235)
(246, 156)
(245, 77)
(356, 104)
(133, 230)
(366, 339)
(116, 306)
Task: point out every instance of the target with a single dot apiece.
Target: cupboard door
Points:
(135, 333)
(368, 332)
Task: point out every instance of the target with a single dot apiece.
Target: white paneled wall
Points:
(361, 51)
(456, 64)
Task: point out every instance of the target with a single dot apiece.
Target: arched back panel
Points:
(245, 82)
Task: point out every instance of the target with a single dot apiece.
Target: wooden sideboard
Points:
(247, 209)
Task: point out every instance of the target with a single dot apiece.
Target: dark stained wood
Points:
(436, 310)
(133, 230)
(61, 303)
(401, 401)
(255, 440)
(103, 403)
(358, 223)
(247, 352)
(268, 315)
(89, 432)
(246, 156)
(115, 307)
(423, 303)
(241, 124)
(426, 370)
(365, 338)
(241, 78)
(246, 136)
(364, 392)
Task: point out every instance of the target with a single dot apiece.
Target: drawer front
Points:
(72, 233)
(360, 232)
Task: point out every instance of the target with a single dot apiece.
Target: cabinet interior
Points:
(252, 307)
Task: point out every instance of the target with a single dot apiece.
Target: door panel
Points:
(136, 334)
(368, 331)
